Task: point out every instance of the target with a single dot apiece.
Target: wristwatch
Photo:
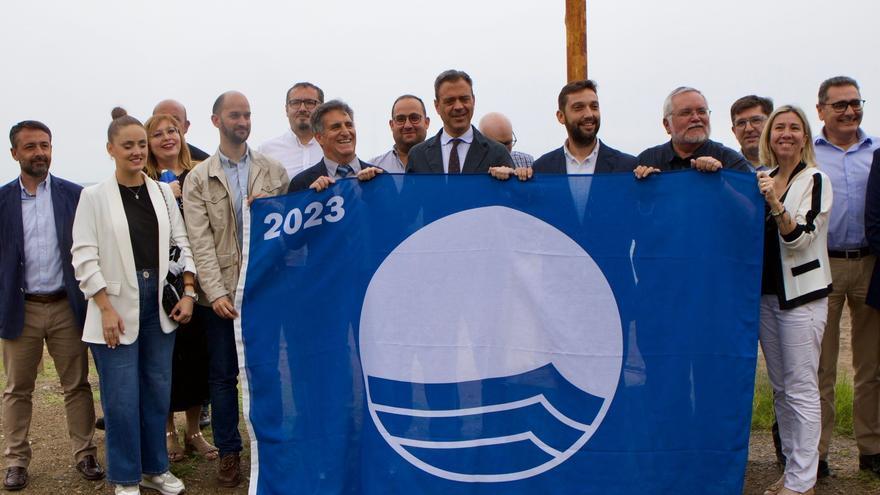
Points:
(190, 292)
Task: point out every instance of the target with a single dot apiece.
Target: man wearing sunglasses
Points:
(297, 149)
(409, 126)
(844, 152)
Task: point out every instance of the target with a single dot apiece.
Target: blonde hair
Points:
(184, 158)
(808, 153)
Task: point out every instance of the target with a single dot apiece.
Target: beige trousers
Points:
(850, 279)
(55, 324)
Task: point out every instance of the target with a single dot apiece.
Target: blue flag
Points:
(463, 335)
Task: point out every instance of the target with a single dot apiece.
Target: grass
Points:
(762, 404)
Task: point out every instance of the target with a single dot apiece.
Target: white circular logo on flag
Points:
(491, 346)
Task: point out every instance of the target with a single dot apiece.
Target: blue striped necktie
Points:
(344, 171)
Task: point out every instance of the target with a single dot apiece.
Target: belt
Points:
(46, 298)
(850, 254)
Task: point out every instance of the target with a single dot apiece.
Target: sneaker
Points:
(128, 490)
(165, 483)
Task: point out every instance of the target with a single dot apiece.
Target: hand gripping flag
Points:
(463, 335)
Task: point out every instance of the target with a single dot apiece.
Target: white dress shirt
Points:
(575, 167)
(293, 155)
(446, 147)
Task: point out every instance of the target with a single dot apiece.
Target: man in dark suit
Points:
(872, 228)
(40, 301)
(583, 152)
(333, 123)
(458, 148)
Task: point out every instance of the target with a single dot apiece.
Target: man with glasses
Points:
(297, 149)
(844, 152)
(686, 120)
(748, 115)
(497, 126)
(409, 126)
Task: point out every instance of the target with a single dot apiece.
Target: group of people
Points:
(87, 268)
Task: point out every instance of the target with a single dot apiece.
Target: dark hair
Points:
(121, 119)
(834, 82)
(575, 87)
(451, 75)
(28, 124)
(412, 97)
(751, 101)
(304, 84)
(318, 114)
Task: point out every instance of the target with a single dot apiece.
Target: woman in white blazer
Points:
(795, 285)
(122, 233)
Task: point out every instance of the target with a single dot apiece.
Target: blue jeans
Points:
(135, 385)
(222, 380)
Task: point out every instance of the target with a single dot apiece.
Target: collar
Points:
(225, 161)
(332, 166)
(467, 137)
(45, 185)
(863, 138)
(312, 142)
(590, 158)
(697, 152)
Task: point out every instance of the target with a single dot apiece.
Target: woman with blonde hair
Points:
(795, 285)
(168, 160)
(122, 233)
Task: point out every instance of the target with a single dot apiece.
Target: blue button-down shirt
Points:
(237, 174)
(42, 258)
(848, 171)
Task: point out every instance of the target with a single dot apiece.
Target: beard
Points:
(37, 167)
(580, 137)
(304, 125)
(231, 135)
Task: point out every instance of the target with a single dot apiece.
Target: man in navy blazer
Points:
(40, 301)
(333, 123)
(582, 152)
(459, 148)
(872, 228)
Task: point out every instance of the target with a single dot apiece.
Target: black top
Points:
(664, 157)
(196, 154)
(771, 276)
(143, 227)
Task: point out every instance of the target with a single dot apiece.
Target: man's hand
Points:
(368, 173)
(251, 199)
(322, 183)
(643, 171)
(706, 164)
(501, 172)
(224, 308)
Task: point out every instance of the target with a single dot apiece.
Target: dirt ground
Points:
(52, 471)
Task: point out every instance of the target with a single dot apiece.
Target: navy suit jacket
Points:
(609, 160)
(426, 157)
(65, 197)
(304, 179)
(872, 228)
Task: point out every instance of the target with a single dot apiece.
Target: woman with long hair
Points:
(168, 160)
(795, 285)
(122, 234)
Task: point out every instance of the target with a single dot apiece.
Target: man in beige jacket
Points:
(214, 196)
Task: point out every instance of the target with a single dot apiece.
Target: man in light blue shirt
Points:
(844, 152)
(409, 126)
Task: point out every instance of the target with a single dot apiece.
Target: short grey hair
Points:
(318, 114)
(667, 103)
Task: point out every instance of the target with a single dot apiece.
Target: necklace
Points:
(136, 192)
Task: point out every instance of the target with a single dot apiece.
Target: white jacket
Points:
(806, 274)
(103, 257)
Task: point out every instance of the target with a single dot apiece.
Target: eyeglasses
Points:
(510, 143)
(755, 121)
(687, 112)
(840, 106)
(401, 119)
(309, 104)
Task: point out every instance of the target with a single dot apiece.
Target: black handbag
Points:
(173, 289)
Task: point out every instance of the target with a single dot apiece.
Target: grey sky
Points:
(68, 63)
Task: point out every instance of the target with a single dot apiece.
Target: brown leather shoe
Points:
(89, 468)
(229, 472)
(16, 478)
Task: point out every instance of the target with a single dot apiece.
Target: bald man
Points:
(215, 228)
(497, 126)
(178, 111)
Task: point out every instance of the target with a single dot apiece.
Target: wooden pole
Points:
(576, 38)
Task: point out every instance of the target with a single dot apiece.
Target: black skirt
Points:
(189, 366)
